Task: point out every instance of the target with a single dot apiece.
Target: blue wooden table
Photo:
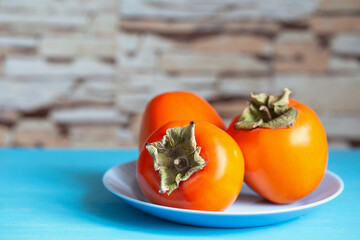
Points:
(58, 194)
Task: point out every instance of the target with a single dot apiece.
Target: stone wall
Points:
(78, 73)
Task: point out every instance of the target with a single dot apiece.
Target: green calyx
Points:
(176, 157)
(268, 111)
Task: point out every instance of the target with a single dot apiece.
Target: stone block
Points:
(144, 82)
(68, 7)
(87, 115)
(157, 44)
(219, 10)
(36, 67)
(136, 102)
(341, 127)
(195, 83)
(335, 24)
(58, 48)
(197, 26)
(141, 60)
(301, 59)
(9, 117)
(90, 136)
(205, 63)
(25, 6)
(340, 65)
(17, 42)
(339, 6)
(337, 94)
(339, 144)
(260, 26)
(229, 109)
(304, 37)
(286, 10)
(135, 125)
(37, 124)
(128, 43)
(90, 7)
(145, 86)
(93, 91)
(16, 45)
(242, 86)
(159, 26)
(137, 51)
(133, 103)
(299, 52)
(32, 95)
(104, 48)
(105, 24)
(346, 44)
(126, 138)
(34, 132)
(232, 43)
(4, 136)
(60, 21)
(77, 46)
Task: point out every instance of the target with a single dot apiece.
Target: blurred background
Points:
(79, 73)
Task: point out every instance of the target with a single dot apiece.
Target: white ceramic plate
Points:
(249, 210)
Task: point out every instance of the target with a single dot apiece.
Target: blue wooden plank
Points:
(58, 194)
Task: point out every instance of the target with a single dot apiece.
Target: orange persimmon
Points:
(177, 105)
(192, 167)
(284, 146)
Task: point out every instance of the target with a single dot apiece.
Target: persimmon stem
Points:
(176, 156)
(181, 163)
(265, 109)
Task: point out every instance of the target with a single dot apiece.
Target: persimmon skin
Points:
(177, 105)
(284, 165)
(213, 188)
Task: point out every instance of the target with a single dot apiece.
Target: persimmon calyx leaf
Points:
(268, 111)
(176, 157)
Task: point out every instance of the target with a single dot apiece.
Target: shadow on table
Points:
(114, 212)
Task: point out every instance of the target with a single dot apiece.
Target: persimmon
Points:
(284, 146)
(177, 105)
(192, 166)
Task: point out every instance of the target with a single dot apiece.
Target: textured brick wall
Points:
(78, 73)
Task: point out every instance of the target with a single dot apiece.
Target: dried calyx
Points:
(176, 157)
(268, 111)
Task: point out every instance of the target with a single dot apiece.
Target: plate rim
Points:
(223, 213)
